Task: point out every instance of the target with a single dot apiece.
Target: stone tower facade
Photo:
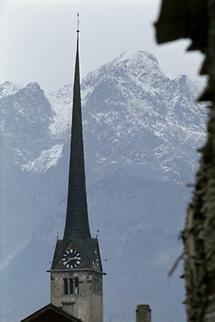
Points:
(76, 271)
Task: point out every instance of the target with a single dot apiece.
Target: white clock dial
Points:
(71, 258)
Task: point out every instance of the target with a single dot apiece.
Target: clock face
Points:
(71, 258)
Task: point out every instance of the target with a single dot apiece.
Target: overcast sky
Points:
(37, 38)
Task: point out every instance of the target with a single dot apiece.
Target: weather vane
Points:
(78, 22)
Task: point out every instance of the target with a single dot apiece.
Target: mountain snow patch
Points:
(8, 88)
(45, 161)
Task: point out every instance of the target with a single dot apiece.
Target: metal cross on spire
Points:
(78, 22)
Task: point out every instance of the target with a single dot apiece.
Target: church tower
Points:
(76, 271)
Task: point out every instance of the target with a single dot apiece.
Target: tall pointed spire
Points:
(77, 225)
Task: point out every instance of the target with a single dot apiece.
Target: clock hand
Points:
(71, 259)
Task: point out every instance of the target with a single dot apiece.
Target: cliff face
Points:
(141, 131)
(198, 235)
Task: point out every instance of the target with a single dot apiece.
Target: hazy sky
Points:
(37, 38)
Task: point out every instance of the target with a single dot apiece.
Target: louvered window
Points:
(71, 286)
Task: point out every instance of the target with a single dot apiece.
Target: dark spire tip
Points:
(77, 224)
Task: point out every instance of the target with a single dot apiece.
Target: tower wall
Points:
(88, 303)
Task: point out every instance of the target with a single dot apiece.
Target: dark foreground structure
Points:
(195, 19)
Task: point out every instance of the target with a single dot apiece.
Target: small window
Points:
(76, 286)
(66, 288)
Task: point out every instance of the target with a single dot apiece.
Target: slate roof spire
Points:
(77, 224)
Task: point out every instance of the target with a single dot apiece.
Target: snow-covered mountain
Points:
(141, 132)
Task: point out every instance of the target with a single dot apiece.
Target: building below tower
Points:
(50, 313)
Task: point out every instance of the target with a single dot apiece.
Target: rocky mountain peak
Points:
(25, 117)
(8, 88)
(34, 86)
(130, 65)
(136, 59)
